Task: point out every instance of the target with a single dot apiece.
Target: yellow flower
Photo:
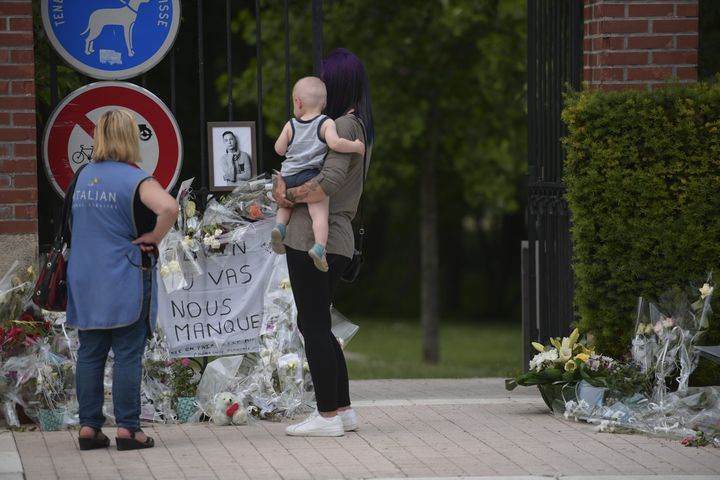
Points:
(583, 357)
(570, 366)
(538, 346)
(706, 290)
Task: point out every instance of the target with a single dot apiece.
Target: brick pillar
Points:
(640, 44)
(18, 151)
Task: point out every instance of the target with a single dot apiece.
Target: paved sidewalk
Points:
(469, 428)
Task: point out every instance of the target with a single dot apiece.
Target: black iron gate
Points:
(555, 38)
(180, 80)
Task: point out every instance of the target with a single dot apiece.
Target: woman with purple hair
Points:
(341, 179)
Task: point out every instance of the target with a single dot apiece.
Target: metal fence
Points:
(555, 38)
(180, 81)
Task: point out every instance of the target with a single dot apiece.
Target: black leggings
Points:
(313, 291)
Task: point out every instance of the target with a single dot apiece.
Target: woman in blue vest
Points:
(119, 216)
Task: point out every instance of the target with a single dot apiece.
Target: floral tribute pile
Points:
(37, 353)
(36, 367)
(221, 221)
(647, 393)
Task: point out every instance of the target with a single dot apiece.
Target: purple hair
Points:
(347, 87)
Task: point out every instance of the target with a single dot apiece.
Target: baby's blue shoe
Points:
(317, 253)
(277, 235)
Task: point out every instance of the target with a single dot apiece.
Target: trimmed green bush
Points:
(643, 187)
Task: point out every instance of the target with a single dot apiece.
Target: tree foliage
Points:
(470, 55)
(453, 71)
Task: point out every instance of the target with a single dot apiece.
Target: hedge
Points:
(643, 187)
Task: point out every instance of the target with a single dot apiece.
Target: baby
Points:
(304, 141)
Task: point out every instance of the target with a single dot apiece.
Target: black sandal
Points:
(132, 443)
(91, 443)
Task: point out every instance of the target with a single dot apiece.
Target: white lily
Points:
(706, 290)
(565, 354)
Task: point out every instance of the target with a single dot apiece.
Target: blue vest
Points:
(105, 285)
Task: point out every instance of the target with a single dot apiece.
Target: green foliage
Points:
(642, 174)
(183, 379)
(447, 79)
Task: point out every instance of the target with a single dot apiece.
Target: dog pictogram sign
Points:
(68, 137)
(111, 39)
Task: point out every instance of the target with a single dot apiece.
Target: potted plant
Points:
(54, 380)
(184, 379)
(558, 368)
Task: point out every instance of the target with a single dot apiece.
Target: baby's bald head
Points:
(312, 92)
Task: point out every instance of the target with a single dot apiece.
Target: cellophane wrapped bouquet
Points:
(36, 356)
(222, 221)
(667, 332)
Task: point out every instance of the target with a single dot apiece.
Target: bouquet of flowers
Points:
(21, 323)
(666, 333)
(557, 370)
(55, 382)
(180, 247)
(562, 361)
(250, 201)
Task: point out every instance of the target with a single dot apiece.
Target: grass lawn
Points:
(391, 348)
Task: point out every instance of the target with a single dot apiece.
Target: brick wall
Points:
(18, 152)
(640, 44)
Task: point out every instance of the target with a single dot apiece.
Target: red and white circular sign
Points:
(68, 138)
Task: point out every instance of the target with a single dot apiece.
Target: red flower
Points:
(15, 332)
(254, 211)
(26, 317)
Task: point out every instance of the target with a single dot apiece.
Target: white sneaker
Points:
(317, 426)
(349, 419)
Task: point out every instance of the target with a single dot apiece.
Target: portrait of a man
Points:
(232, 153)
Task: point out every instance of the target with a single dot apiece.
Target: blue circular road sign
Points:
(111, 39)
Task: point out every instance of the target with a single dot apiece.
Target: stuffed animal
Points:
(228, 410)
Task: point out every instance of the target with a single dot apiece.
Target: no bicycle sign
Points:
(68, 138)
(111, 39)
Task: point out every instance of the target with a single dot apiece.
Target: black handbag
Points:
(51, 287)
(352, 271)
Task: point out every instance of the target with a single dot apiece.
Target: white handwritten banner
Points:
(220, 311)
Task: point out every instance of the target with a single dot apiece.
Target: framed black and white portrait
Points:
(232, 154)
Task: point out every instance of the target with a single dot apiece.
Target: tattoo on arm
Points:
(300, 193)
